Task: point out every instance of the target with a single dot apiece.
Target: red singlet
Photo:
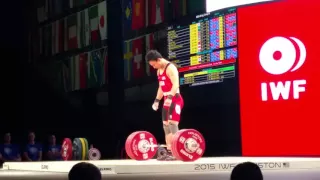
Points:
(173, 112)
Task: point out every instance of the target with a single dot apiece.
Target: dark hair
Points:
(153, 55)
(245, 171)
(84, 171)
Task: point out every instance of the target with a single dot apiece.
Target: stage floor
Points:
(202, 169)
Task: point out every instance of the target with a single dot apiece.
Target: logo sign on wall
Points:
(279, 78)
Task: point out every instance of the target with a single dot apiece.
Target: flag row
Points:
(143, 13)
(85, 70)
(135, 66)
(47, 9)
(75, 31)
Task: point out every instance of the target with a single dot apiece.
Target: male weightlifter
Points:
(168, 77)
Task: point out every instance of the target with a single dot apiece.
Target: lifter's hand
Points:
(155, 105)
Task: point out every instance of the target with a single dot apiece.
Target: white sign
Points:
(213, 5)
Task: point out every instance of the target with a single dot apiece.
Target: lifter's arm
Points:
(159, 93)
(173, 74)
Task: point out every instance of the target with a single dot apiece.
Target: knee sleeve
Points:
(173, 128)
(166, 129)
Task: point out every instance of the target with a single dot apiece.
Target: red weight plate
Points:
(128, 142)
(189, 145)
(174, 144)
(143, 146)
(66, 149)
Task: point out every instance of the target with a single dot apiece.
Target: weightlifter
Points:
(168, 77)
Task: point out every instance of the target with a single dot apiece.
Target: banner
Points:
(278, 74)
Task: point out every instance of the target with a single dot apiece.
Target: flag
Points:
(127, 57)
(66, 75)
(65, 34)
(94, 24)
(83, 58)
(57, 7)
(46, 10)
(76, 63)
(149, 45)
(105, 67)
(60, 35)
(47, 40)
(53, 38)
(72, 32)
(196, 7)
(83, 28)
(127, 9)
(71, 4)
(179, 8)
(102, 10)
(157, 13)
(41, 12)
(138, 14)
(138, 63)
(103, 63)
(50, 8)
(95, 69)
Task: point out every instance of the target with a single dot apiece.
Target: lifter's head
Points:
(84, 171)
(155, 59)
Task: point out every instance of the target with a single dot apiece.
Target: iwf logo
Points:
(280, 55)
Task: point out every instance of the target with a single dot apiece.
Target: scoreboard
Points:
(205, 48)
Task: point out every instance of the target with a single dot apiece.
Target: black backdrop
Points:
(31, 104)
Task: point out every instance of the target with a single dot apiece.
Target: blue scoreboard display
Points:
(205, 48)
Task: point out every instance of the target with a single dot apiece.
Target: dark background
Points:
(30, 102)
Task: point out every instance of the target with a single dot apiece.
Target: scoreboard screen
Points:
(205, 48)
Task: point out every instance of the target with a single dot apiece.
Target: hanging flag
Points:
(76, 72)
(66, 75)
(196, 7)
(72, 32)
(65, 34)
(71, 72)
(94, 78)
(138, 63)
(158, 9)
(53, 38)
(127, 18)
(179, 8)
(83, 58)
(83, 28)
(71, 4)
(138, 14)
(149, 45)
(57, 7)
(79, 30)
(46, 10)
(103, 62)
(94, 24)
(128, 55)
(102, 10)
(41, 12)
(60, 36)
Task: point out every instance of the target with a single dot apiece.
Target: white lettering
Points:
(282, 89)
(297, 88)
(264, 92)
(186, 154)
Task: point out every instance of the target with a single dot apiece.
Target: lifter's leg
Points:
(167, 133)
(173, 127)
